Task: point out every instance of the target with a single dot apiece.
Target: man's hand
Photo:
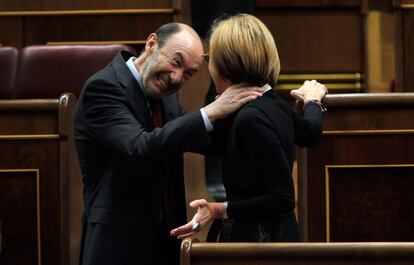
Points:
(231, 100)
(206, 211)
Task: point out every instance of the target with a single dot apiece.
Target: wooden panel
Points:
(316, 41)
(19, 212)
(15, 121)
(59, 192)
(307, 3)
(408, 49)
(296, 253)
(335, 83)
(29, 22)
(404, 13)
(12, 123)
(11, 31)
(406, 2)
(348, 150)
(41, 5)
(42, 155)
(359, 129)
(376, 117)
(136, 45)
(370, 201)
(91, 28)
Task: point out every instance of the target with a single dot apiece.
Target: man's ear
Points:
(151, 43)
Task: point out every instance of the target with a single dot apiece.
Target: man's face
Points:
(167, 69)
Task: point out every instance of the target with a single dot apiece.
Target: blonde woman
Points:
(259, 140)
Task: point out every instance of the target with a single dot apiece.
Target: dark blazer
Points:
(257, 168)
(124, 160)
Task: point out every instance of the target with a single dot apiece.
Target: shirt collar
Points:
(266, 88)
(137, 75)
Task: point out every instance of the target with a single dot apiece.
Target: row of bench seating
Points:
(43, 71)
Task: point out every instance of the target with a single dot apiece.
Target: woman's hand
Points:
(310, 90)
(206, 211)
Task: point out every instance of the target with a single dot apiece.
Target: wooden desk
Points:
(193, 253)
(40, 182)
(357, 184)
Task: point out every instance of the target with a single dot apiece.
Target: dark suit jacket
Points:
(123, 161)
(257, 168)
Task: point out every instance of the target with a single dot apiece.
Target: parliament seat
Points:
(356, 184)
(8, 64)
(49, 71)
(40, 180)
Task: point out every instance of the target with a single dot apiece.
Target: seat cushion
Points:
(49, 71)
(8, 64)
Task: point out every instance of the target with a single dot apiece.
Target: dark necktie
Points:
(168, 188)
(156, 109)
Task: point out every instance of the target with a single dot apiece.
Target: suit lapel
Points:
(133, 91)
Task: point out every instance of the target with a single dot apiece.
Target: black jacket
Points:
(257, 168)
(123, 160)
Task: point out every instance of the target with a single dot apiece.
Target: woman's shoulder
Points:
(268, 103)
(266, 110)
(253, 111)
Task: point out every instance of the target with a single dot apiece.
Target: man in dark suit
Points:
(130, 133)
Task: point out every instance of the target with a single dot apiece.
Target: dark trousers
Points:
(107, 245)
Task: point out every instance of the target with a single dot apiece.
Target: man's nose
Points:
(176, 77)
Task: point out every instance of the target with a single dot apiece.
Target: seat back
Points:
(8, 64)
(49, 71)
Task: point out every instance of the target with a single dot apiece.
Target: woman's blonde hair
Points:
(243, 50)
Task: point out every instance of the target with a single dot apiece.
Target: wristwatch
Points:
(321, 106)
